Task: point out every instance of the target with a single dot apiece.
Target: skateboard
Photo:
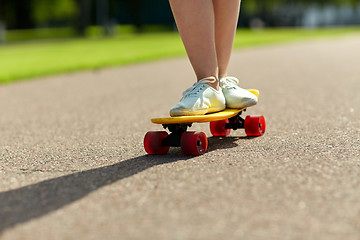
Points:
(195, 143)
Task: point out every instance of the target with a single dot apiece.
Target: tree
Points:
(10, 10)
(83, 16)
(44, 11)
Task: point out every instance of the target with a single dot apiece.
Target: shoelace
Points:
(195, 88)
(229, 82)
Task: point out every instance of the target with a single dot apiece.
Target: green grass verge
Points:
(33, 59)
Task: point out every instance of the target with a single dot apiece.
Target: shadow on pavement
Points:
(225, 142)
(33, 201)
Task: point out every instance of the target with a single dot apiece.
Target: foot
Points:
(199, 99)
(235, 96)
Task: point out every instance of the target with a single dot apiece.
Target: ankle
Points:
(214, 84)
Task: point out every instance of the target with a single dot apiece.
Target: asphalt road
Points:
(72, 164)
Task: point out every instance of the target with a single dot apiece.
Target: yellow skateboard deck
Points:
(225, 114)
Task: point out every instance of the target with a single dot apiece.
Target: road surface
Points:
(72, 164)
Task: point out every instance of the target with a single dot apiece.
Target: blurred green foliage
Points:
(44, 11)
(39, 34)
(254, 6)
(14, 36)
(80, 14)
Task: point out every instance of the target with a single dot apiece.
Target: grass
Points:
(39, 58)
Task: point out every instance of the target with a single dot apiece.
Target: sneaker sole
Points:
(198, 112)
(246, 104)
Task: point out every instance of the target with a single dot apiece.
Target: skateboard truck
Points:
(176, 130)
(235, 122)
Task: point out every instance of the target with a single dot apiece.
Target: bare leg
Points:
(196, 24)
(226, 18)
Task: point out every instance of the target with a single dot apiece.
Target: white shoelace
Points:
(196, 87)
(229, 82)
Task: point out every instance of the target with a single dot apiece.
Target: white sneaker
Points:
(199, 100)
(235, 96)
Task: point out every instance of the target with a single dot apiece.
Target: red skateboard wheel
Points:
(153, 143)
(217, 128)
(194, 143)
(254, 126)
